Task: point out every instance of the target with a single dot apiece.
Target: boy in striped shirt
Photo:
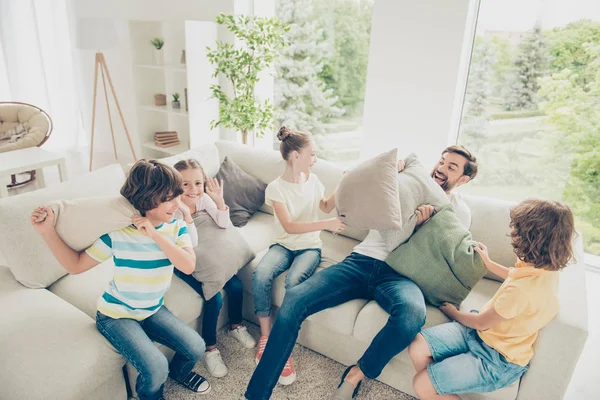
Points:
(131, 313)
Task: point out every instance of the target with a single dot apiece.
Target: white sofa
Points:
(50, 349)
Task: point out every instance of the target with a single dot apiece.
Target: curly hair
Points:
(151, 183)
(291, 141)
(542, 232)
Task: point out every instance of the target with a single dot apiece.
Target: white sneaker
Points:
(214, 364)
(242, 335)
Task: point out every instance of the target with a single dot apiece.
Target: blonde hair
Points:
(291, 141)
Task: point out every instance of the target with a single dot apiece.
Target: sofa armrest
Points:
(560, 344)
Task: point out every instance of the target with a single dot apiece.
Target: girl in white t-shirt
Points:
(296, 197)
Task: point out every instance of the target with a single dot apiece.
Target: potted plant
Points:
(175, 103)
(260, 41)
(158, 44)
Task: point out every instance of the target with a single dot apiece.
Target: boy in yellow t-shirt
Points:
(486, 351)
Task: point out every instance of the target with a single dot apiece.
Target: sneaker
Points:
(214, 364)
(288, 375)
(196, 383)
(262, 343)
(242, 335)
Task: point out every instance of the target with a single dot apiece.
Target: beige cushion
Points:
(49, 349)
(259, 232)
(367, 196)
(30, 260)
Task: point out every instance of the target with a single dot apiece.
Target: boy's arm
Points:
(492, 266)
(182, 258)
(480, 322)
(74, 262)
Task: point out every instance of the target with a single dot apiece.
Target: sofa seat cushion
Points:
(48, 348)
(83, 290)
(259, 232)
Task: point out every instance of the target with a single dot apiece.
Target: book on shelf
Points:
(168, 144)
(165, 134)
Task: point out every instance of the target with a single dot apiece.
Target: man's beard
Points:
(446, 185)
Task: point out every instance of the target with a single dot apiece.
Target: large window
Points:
(532, 107)
(320, 87)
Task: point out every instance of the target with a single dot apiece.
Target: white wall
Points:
(413, 75)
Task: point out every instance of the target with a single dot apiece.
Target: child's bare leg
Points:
(425, 390)
(419, 353)
(265, 325)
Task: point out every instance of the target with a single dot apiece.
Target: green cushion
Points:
(440, 259)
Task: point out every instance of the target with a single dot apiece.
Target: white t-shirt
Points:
(373, 246)
(302, 202)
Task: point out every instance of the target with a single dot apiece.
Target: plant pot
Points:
(160, 99)
(176, 105)
(158, 56)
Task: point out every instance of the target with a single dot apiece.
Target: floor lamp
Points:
(99, 34)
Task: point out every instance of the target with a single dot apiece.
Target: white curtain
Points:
(36, 65)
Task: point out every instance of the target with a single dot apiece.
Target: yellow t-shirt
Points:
(527, 300)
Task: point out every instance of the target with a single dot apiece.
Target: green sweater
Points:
(440, 259)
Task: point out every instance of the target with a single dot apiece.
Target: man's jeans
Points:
(357, 277)
(212, 307)
(301, 263)
(133, 339)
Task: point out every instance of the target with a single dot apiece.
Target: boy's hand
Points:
(400, 166)
(449, 309)
(42, 219)
(144, 225)
(424, 212)
(214, 190)
(185, 210)
(482, 250)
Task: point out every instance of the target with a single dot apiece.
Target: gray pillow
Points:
(219, 255)
(367, 196)
(415, 187)
(243, 193)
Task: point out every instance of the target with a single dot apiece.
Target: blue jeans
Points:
(357, 277)
(133, 339)
(301, 263)
(212, 307)
(463, 363)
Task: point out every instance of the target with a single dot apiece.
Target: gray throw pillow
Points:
(243, 193)
(415, 187)
(219, 255)
(367, 196)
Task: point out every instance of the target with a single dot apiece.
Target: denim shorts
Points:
(463, 363)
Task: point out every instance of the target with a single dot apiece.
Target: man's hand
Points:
(42, 219)
(144, 225)
(424, 212)
(400, 166)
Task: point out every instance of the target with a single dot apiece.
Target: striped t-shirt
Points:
(142, 270)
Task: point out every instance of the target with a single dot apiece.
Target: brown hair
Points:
(190, 164)
(151, 183)
(541, 233)
(471, 165)
(291, 141)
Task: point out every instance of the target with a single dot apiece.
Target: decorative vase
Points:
(160, 99)
(158, 56)
(176, 105)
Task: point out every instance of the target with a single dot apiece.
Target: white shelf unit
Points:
(170, 77)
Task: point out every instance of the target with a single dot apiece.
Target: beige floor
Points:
(585, 383)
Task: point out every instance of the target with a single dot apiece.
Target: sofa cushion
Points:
(30, 260)
(367, 196)
(48, 348)
(220, 253)
(243, 193)
(440, 259)
(259, 232)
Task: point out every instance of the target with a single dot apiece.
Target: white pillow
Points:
(207, 155)
(30, 260)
